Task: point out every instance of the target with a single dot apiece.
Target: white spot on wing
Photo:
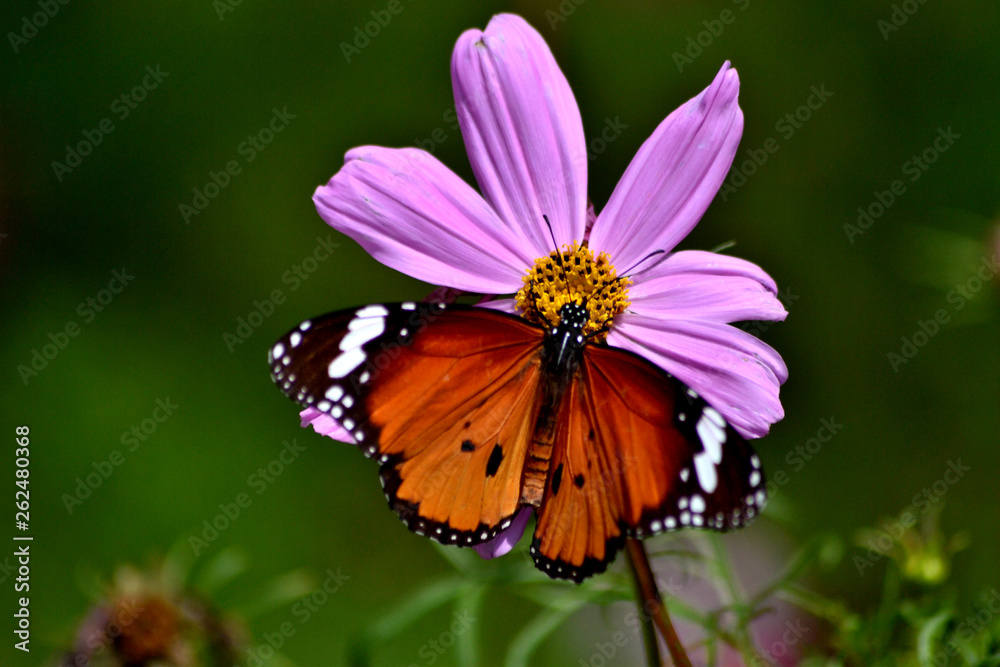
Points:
(372, 328)
(697, 504)
(375, 310)
(716, 418)
(711, 432)
(712, 436)
(346, 362)
(705, 469)
(295, 339)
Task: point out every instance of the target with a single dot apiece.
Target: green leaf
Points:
(281, 591)
(539, 628)
(927, 638)
(225, 566)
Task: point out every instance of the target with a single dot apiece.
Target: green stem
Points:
(651, 605)
(649, 638)
(544, 624)
(732, 597)
(469, 603)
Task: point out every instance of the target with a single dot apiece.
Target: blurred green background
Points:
(226, 67)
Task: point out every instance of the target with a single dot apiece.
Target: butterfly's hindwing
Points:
(721, 487)
(637, 455)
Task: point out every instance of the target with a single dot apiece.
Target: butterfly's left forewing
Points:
(443, 397)
(638, 453)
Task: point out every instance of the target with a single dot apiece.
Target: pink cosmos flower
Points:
(525, 141)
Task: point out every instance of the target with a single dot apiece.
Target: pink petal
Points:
(674, 176)
(736, 373)
(324, 424)
(503, 305)
(694, 284)
(522, 130)
(412, 213)
(505, 541)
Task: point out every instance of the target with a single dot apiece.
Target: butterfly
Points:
(472, 414)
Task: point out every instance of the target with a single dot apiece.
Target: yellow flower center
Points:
(573, 275)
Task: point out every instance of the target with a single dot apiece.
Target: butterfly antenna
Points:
(628, 273)
(552, 235)
(603, 330)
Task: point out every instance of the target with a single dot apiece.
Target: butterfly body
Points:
(561, 353)
(474, 414)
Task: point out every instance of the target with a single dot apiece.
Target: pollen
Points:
(574, 275)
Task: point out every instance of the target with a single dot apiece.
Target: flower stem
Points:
(651, 604)
(649, 638)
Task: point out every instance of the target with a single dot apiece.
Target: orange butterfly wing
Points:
(637, 453)
(445, 398)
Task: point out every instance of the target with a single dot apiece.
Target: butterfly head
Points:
(573, 276)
